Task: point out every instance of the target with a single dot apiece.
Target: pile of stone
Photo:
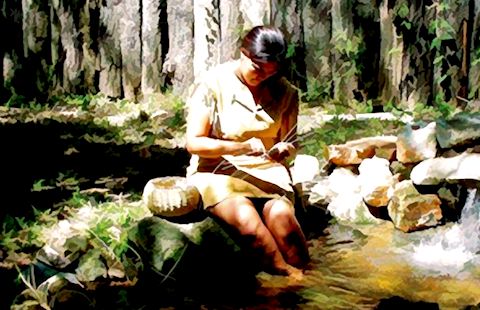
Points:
(416, 178)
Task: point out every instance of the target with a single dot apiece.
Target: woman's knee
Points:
(242, 215)
(279, 211)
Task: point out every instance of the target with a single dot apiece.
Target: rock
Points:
(460, 129)
(343, 180)
(415, 145)
(199, 256)
(350, 207)
(354, 152)
(410, 210)
(159, 241)
(376, 181)
(320, 194)
(305, 169)
(346, 202)
(436, 170)
(401, 170)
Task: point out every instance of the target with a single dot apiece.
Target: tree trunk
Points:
(367, 28)
(231, 29)
(345, 49)
(317, 24)
(474, 65)
(179, 60)
(417, 76)
(256, 12)
(130, 46)
(35, 48)
(391, 52)
(152, 28)
(449, 79)
(109, 49)
(407, 52)
(207, 35)
(71, 44)
(287, 15)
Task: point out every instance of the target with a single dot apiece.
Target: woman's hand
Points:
(256, 146)
(281, 151)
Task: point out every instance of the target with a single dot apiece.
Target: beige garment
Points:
(234, 115)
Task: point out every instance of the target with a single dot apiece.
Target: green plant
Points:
(178, 109)
(339, 131)
(43, 295)
(315, 91)
(95, 235)
(34, 296)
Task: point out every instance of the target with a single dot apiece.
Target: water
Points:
(377, 266)
(450, 251)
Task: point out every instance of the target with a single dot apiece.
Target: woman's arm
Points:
(287, 140)
(199, 143)
(288, 130)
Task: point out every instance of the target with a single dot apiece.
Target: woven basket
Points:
(170, 196)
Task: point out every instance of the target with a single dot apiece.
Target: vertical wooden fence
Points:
(365, 51)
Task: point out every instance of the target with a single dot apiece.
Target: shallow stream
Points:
(379, 267)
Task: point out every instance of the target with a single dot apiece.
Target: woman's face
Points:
(255, 72)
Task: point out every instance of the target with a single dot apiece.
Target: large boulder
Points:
(346, 202)
(305, 169)
(436, 170)
(196, 258)
(353, 152)
(410, 210)
(460, 129)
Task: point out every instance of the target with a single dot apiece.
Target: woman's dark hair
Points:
(264, 43)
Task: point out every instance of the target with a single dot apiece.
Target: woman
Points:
(241, 129)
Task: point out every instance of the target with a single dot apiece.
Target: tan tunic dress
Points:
(234, 115)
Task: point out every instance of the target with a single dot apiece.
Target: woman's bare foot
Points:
(294, 275)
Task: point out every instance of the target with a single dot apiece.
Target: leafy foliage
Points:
(338, 131)
(93, 239)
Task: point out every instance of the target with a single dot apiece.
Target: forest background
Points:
(368, 55)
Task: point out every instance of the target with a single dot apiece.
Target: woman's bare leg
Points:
(240, 213)
(279, 217)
